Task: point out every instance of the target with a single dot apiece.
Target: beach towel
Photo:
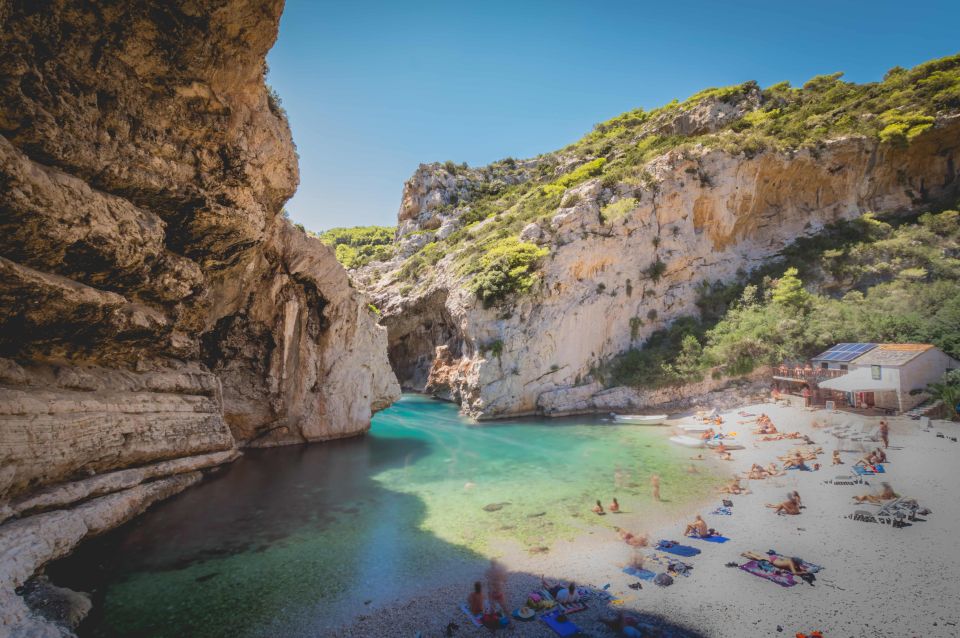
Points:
(673, 547)
(782, 578)
(722, 511)
(642, 574)
(476, 620)
(716, 538)
(560, 628)
(572, 608)
(866, 470)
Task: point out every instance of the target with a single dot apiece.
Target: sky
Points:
(373, 89)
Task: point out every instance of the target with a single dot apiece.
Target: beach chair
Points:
(869, 432)
(863, 515)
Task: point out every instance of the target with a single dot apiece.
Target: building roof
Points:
(893, 354)
(844, 352)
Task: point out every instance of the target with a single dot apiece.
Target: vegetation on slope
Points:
(864, 280)
(361, 244)
(894, 111)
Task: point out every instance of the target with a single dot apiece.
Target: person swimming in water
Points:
(598, 509)
(614, 507)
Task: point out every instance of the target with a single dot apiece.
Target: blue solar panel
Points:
(846, 351)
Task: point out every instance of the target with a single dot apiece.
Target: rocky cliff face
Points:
(626, 259)
(156, 309)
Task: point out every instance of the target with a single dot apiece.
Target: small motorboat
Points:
(640, 419)
(687, 441)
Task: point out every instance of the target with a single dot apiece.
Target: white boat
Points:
(687, 441)
(730, 444)
(641, 419)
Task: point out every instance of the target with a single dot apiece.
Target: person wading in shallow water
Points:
(655, 484)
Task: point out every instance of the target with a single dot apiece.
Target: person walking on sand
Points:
(655, 484)
(885, 434)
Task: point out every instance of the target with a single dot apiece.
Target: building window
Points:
(875, 372)
(824, 365)
(844, 366)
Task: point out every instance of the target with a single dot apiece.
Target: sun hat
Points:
(525, 612)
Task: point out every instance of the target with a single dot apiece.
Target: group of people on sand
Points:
(492, 607)
(758, 472)
(613, 508)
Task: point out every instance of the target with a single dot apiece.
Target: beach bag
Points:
(664, 580)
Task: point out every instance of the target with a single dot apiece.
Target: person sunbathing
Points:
(793, 565)
(795, 495)
(598, 509)
(614, 506)
(836, 458)
(633, 540)
(796, 462)
(773, 470)
(886, 494)
(872, 458)
(726, 456)
(756, 473)
(698, 527)
(789, 506)
(698, 457)
(562, 593)
(734, 487)
(880, 455)
(766, 427)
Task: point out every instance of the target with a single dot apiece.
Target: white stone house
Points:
(888, 375)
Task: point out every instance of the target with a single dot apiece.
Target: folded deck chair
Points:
(863, 515)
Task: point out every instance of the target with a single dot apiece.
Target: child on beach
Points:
(836, 458)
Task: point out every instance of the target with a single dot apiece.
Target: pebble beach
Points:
(876, 579)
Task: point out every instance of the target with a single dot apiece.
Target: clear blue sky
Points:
(375, 88)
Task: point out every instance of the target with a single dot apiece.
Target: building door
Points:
(868, 399)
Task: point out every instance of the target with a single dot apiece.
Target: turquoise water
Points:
(303, 537)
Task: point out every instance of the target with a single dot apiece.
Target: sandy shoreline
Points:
(877, 580)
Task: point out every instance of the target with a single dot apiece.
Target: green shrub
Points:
(507, 267)
(616, 210)
(360, 245)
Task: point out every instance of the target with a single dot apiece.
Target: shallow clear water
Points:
(302, 537)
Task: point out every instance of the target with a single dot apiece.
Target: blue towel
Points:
(863, 471)
(722, 511)
(716, 538)
(642, 574)
(679, 550)
(561, 628)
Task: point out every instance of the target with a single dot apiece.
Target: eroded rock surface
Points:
(702, 214)
(157, 311)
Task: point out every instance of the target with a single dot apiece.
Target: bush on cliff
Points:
(507, 267)
(360, 245)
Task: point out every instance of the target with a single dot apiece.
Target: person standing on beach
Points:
(497, 584)
(655, 484)
(885, 434)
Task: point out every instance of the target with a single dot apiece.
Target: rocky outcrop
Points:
(701, 214)
(157, 311)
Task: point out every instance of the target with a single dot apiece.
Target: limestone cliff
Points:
(627, 249)
(156, 309)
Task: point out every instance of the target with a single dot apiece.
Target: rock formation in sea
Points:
(157, 309)
(511, 285)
